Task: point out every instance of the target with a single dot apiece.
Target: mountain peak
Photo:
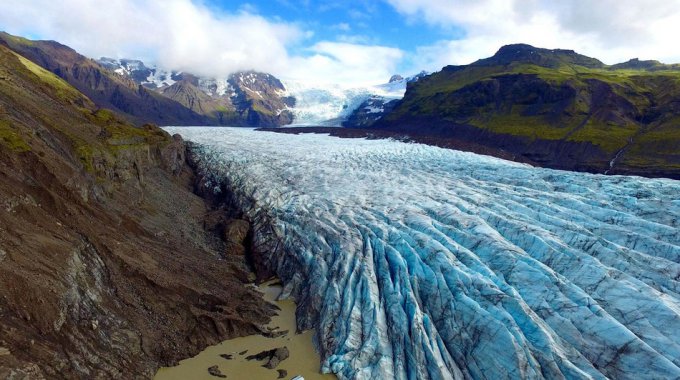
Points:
(524, 53)
(396, 78)
(645, 65)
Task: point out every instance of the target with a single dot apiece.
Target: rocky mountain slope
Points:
(103, 87)
(556, 108)
(146, 94)
(186, 91)
(246, 98)
(110, 266)
(378, 105)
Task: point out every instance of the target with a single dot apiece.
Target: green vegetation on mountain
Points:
(11, 138)
(555, 107)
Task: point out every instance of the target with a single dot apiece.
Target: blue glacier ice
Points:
(415, 262)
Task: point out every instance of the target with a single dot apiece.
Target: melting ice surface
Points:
(415, 262)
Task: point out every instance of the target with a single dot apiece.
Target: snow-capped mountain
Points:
(415, 262)
(246, 98)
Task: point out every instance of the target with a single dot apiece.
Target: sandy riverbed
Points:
(303, 360)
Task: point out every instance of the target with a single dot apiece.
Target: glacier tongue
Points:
(414, 262)
(329, 105)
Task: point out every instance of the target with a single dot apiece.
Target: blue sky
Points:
(351, 43)
(357, 21)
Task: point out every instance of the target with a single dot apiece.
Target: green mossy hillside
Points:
(11, 139)
(523, 96)
(39, 110)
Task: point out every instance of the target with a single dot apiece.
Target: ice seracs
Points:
(414, 262)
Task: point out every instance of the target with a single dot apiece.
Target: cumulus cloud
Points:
(191, 36)
(347, 63)
(612, 30)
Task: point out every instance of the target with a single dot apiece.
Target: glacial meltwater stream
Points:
(415, 262)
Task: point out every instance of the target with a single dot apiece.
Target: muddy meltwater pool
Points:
(303, 360)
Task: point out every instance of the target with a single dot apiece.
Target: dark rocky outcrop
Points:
(108, 267)
(395, 78)
(215, 371)
(370, 111)
(272, 357)
(555, 108)
(135, 68)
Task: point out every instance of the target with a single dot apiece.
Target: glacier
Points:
(329, 105)
(415, 262)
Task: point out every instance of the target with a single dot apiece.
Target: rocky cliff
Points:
(110, 266)
(556, 108)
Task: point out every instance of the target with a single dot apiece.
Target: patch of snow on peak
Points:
(216, 87)
(159, 78)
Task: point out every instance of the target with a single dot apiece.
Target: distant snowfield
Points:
(416, 262)
(329, 105)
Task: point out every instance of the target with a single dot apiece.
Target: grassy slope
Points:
(607, 107)
(93, 133)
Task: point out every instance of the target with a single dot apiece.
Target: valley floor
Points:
(303, 360)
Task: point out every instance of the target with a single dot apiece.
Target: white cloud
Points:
(611, 30)
(188, 35)
(346, 63)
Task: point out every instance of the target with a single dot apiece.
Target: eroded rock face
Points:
(414, 262)
(106, 268)
(235, 235)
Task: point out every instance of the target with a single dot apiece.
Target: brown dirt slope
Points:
(107, 268)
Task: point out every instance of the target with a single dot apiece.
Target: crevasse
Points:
(414, 262)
